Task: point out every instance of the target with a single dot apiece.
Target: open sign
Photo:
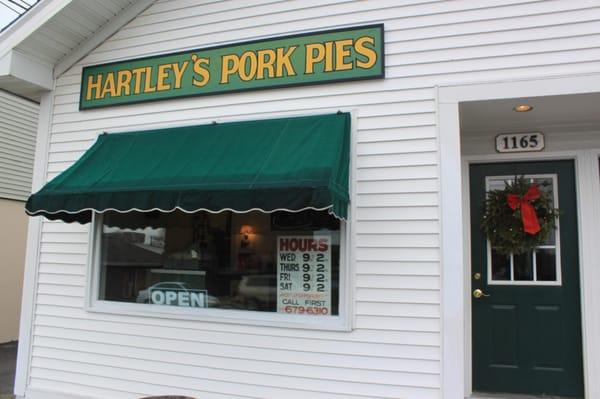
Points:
(178, 297)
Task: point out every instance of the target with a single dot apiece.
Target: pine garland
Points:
(504, 227)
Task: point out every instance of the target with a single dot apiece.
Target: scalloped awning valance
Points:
(268, 165)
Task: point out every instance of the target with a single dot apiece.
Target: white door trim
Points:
(454, 216)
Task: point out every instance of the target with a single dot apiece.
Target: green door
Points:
(527, 332)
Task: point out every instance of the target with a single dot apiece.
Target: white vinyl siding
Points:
(18, 130)
(394, 349)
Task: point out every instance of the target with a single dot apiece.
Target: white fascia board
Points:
(5, 64)
(29, 23)
(99, 37)
(541, 86)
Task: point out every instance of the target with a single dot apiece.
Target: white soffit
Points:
(70, 28)
(54, 35)
(567, 112)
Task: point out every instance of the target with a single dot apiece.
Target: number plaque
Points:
(519, 142)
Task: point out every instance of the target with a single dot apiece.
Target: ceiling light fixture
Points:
(523, 108)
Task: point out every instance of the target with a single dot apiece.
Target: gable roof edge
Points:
(100, 36)
(29, 23)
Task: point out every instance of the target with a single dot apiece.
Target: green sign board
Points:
(312, 58)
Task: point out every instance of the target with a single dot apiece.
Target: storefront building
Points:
(276, 199)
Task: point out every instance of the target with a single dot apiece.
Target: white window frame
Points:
(340, 322)
(556, 246)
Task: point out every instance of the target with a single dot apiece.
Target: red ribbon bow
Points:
(531, 224)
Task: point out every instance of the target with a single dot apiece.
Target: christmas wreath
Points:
(518, 218)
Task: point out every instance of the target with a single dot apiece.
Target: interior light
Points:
(246, 230)
(523, 108)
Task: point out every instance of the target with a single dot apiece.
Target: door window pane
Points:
(545, 184)
(523, 267)
(500, 266)
(546, 264)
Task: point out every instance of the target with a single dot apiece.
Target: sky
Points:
(6, 16)
(10, 9)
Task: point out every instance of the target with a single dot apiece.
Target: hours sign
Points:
(304, 274)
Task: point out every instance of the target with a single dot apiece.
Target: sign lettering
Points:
(178, 297)
(321, 57)
(304, 274)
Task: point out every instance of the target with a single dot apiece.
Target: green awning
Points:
(268, 165)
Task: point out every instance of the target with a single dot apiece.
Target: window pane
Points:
(497, 183)
(546, 264)
(500, 266)
(546, 185)
(523, 267)
(551, 240)
(252, 261)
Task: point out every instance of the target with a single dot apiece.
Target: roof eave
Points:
(29, 23)
(23, 74)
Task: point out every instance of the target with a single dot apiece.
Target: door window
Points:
(538, 267)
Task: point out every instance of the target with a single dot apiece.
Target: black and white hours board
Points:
(304, 274)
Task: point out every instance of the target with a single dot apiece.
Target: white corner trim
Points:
(124, 17)
(33, 246)
(29, 23)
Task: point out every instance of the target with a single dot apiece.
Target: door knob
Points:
(478, 293)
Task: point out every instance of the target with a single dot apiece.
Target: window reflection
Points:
(500, 266)
(224, 260)
(523, 267)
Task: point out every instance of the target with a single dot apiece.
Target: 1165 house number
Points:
(519, 142)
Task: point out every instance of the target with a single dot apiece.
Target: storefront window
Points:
(280, 262)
